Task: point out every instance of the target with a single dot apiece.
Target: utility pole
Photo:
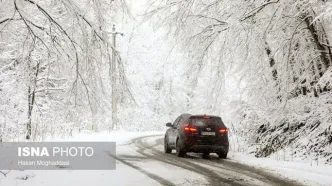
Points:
(114, 78)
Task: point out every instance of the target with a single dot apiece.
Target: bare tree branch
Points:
(4, 173)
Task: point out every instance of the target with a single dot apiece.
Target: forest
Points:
(264, 66)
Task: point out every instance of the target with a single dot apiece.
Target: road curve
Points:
(216, 172)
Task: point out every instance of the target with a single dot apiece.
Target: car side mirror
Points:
(169, 125)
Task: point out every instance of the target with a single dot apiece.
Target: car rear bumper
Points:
(208, 148)
(199, 146)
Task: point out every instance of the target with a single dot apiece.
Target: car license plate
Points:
(208, 133)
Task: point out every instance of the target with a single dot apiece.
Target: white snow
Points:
(306, 173)
(125, 175)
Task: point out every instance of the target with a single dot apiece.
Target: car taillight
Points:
(190, 129)
(223, 131)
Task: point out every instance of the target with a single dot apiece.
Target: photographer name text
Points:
(43, 163)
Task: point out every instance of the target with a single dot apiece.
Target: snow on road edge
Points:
(299, 171)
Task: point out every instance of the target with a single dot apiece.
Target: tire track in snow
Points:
(249, 171)
(155, 177)
(214, 178)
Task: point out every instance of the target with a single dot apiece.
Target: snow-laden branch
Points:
(51, 79)
(211, 18)
(4, 20)
(257, 10)
(28, 26)
(9, 19)
(49, 89)
(325, 44)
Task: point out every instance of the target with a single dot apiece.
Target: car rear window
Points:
(202, 122)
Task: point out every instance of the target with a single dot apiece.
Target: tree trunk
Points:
(31, 101)
(271, 61)
(324, 51)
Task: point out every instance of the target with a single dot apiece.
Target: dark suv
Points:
(197, 133)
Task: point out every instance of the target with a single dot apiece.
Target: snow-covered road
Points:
(147, 156)
(141, 161)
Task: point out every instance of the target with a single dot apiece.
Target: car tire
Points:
(179, 151)
(166, 147)
(222, 155)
